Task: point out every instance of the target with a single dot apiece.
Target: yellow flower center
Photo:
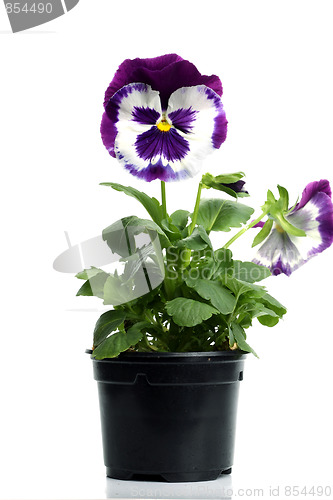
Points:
(279, 228)
(163, 125)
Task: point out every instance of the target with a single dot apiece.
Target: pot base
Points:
(169, 477)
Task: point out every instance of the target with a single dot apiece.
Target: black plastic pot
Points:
(169, 416)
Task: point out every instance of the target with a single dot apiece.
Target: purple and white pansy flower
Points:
(283, 252)
(162, 117)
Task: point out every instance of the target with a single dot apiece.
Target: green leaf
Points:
(188, 312)
(204, 236)
(85, 290)
(204, 268)
(229, 178)
(256, 308)
(267, 309)
(120, 235)
(148, 225)
(222, 262)
(284, 198)
(277, 209)
(152, 205)
(172, 231)
(180, 218)
(231, 337)
(198, 240)
(273, 304)
(106, 324)
(116, 292)
(264, 315)
(270, 198)
(143, 261)
(239, 335)
(94, 286)
(223, 255)
(263, 233)
(268, 320)
(119, 239)
(249, 272)
(89, 273)
(140, 224)
(250, 307)
(220, 215)
(239, 287)
(120, 342)
(215, 292)
(139, 326)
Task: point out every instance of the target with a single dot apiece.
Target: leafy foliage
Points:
(188, 312)
(152, 205)
(201, 299)
(221, 215)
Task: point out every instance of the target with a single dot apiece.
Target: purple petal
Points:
(280, 268)
(238, 188)
(108, 132)
(130, 67)
(203, 110)
(134, 103)
(164, 73)
(220, 130)
(145, 116)
(154, 143)
(322, 186)
(284, 253)
(183, 119)
(279, 254)
(316, 219)
(144, 149)
(259, 224)
(157, 171)
(175, 150)
(137, 100)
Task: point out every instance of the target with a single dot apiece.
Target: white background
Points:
(275, 62)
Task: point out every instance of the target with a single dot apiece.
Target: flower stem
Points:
(164, 209)
(195, 211)
(185, 255)
(242, 231)
(167, 283)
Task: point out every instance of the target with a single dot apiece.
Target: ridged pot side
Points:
(169, 416)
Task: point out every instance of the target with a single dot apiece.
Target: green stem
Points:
(169, 282)
(164, 209)
(150, 347)
(185, 255)
(168, 285)
(156, 321)
(196, 210)
(242, 231)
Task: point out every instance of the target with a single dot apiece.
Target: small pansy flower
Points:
(284, 252)
(238, 187)
(162, 117)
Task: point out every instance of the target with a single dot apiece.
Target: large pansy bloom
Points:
(162, 117)
(283, 252)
